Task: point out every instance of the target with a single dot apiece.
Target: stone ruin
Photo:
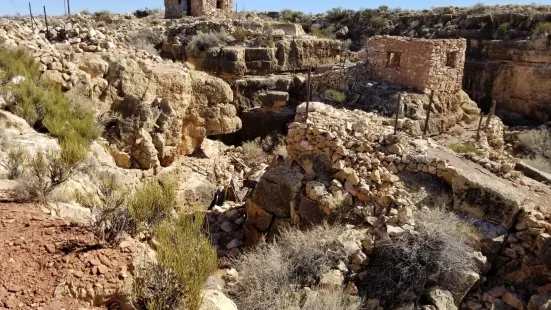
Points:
(210, 8)
(421, 64)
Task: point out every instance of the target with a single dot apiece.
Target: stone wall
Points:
(286, 55)
(210, 8)
(420, 64)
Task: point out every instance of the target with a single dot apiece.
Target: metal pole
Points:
(397, 113)
(428, 113)
(479, 126)
(491, 114)
(31, 13)
(69, 7)
(64, 7)
(308, 93)
(46, 20)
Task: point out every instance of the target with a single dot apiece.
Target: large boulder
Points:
(277, 189)
(216, 300)
(442, 300)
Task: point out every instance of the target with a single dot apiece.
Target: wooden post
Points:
(308, 93)
(491, 114)
(46, 20)
(428, 114)
(397, 113)
(479, 126)
(32, 18)
(69, 7)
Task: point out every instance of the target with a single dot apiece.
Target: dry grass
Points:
(253, 151)
(186, 252)
(535, 143)
(157, 288)
(270, 272)
(438, 253)
(152, 202)
(543, 27)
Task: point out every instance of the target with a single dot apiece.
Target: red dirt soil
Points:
(46, 263)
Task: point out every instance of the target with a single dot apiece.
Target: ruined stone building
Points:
(421, 64)
(210, 8)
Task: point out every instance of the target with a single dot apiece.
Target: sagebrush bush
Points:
(147, 40)
(269, 272)
(157, 288)
(543, 27)
(205, 41)
(45, 106)
(16, 159)
(186, 252)
(145, 12)
(152, 202)
(535, 143)
(438, 253)
(322, 33)
(540, 163)
(109, 204)
(240, 34)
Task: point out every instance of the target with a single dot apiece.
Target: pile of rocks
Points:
(226, 227)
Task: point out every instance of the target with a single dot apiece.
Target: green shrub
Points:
(291, 16)
(466, 148)
(184, 250)
(85, 12)
(383, 8)
(378, 22)
(543, 27)
(152, 202)
(45, 106)
(157, 288)
(503, 27)
(204, 41)
(334, 95)
(240, 34)
(439, 253)
(322, 33)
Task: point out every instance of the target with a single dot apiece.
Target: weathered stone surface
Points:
(216, 300)
(277, 188)
(442, 300)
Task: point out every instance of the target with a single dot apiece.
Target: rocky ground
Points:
(344, 164)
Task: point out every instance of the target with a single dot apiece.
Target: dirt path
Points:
(42, 258)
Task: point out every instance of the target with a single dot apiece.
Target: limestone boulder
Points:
(216, 300)
(442, 300)
(92, 64)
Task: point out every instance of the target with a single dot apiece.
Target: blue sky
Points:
(316, 6)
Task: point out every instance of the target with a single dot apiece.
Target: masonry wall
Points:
(423, 63)
(211, 8)
(173, 8)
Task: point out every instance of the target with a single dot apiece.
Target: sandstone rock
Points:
(216, 300)
(144, 151)
(442, 300)
(332, 279)
(512, 300)
(540, 302)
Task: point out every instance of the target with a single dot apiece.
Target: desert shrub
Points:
(334, 299)
(186, 252)
(85, 12)
(543, 27)
(503, 28)
(383, 8)
(240, 34)
(252, 150)
(466, 148)
(204, 41)
(378, 22)
(534, 143)
(147, 40)
(438, 253)
(272, 271)
(336, 15)
(540, 163)
(291, 16)
(46, 170)
(334, 95)
(322, 33)
(152, 202)
(46, 107)
(111, 215)
(16, 158)
(156, 288)
(478, 8)
(144, 12)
